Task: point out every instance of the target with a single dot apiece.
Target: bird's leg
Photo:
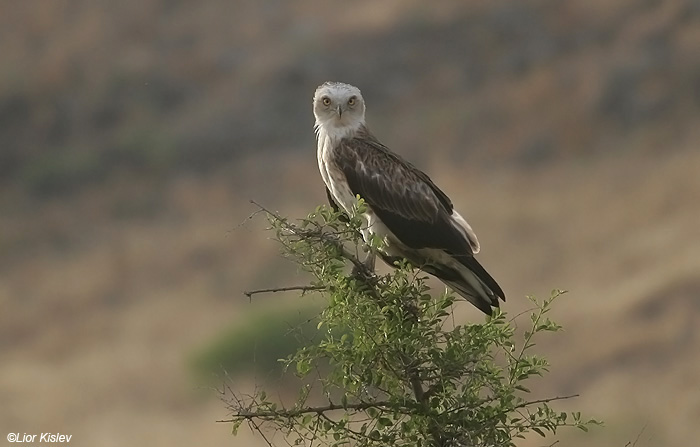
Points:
(370, 260)
(367, 266)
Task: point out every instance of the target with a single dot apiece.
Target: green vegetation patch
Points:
(255, 344)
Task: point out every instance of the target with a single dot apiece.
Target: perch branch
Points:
(327, 238)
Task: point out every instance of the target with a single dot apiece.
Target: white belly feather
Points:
(338, 186)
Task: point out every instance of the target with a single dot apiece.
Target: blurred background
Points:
(134, 133)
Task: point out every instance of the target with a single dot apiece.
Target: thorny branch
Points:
(544, 401)
(304, 289)
(322, 236)
(244, 414)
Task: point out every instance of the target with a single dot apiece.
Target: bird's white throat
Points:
(334, 130)
(329, 137)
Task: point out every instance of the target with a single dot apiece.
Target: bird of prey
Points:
(413, 217)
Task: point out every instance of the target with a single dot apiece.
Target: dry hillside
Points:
(133, 134)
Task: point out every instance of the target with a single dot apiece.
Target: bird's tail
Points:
(479, 299)
(466, 277)
(473, 282)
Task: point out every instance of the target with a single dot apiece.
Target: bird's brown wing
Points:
(402, 196)
(408, 203)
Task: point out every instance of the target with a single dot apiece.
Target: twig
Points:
(356, 435)
(259, 430)
(244, 221)
(633, 444)
(544, 401)
(250, 293)
(360, 267)
(307, 410)
(523, 404)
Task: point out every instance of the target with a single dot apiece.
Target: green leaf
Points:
(522, 388)
(306, 420)
(384, 422)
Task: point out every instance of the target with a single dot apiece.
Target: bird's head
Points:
(338, 107)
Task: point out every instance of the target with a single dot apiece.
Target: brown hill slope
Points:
(159, 87)
(103, 313)
(133, 134)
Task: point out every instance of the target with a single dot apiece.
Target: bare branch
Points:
(544, 401)
(259, 430)
(633, 444)
(304, 289)
(244, 414)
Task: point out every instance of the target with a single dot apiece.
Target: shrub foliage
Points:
(398, 369)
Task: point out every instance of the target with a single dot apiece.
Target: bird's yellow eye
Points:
(351, 101)
(326, 101)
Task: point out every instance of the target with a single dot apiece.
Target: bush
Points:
(400, 373)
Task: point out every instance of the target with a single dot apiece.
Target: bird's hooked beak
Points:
(340, 112)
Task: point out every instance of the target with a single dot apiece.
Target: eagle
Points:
(404, 208)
